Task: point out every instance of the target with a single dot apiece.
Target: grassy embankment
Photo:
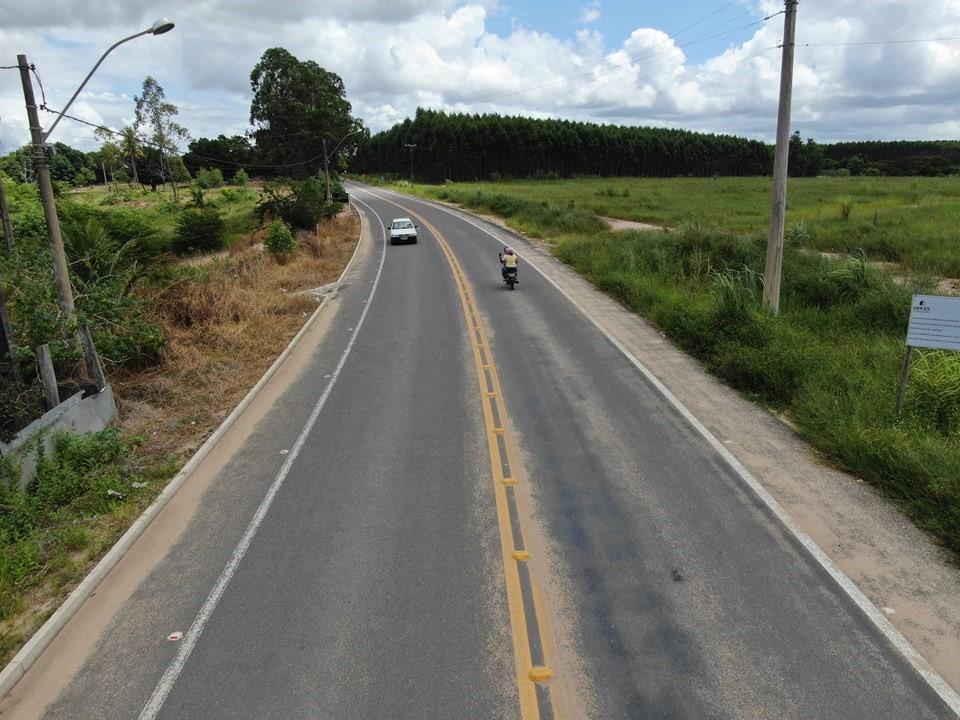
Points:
(223, 320)
(830, 361)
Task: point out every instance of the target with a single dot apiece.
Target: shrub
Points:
(798, 234)
(935, 389)
(280, 241)
(846, 207)
(209, 178)
(199, 231)
(240, 177)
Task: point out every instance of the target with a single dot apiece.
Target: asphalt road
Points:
(468, 485)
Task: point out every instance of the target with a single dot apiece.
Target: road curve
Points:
(471, 505)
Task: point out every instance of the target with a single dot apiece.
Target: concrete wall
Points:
(77, 414)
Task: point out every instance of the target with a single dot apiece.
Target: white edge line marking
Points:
(912, 656)
(169, 678)
(41, 639)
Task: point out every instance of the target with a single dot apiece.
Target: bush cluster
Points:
(199, 230)
(299, 203)
(280, 241)
(208, 179)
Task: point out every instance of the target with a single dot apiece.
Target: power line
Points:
(880, 42)
(43, 95)
(705, 17)
(180, 150)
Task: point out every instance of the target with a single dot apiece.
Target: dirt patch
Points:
(948, 286)
(620, 224)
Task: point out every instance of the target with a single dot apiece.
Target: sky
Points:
(706, 65)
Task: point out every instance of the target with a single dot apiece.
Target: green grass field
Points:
(830, 360)
(911, 221)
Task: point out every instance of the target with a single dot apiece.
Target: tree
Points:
(110, 154)
(152, 108)
(226, 154)
(297, 105)
(132, 147)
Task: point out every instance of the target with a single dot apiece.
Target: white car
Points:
(402, 230)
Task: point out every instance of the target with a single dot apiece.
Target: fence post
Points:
(904, 377)
(48, 378)
(92, 358)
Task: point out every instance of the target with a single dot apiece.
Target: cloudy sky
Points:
(708, 65)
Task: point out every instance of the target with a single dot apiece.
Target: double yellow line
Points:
(532, 644)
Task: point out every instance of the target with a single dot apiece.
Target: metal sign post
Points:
(935, 324)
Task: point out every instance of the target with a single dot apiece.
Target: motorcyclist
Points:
(508, 258)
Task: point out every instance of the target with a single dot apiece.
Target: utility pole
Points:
(64, 291)
(5, 218)
(412, 147)
(771, 289)
(326, 166)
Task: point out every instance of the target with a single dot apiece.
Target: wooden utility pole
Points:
(771, 288)
(5, 218)
(64, 291)
(326, 166)
(412, 148)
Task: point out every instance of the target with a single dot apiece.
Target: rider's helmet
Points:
(508, 251)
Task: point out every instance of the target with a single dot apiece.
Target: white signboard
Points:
(934, 322)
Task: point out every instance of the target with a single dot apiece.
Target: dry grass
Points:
(222, 335)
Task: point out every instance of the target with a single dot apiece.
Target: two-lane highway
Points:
(471, 504)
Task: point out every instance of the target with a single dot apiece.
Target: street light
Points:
(326, 159)
(159, 27)
(38, 139)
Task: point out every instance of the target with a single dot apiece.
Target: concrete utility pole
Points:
(412, 148)
(5, 219)
(771, 289)
(64, 291)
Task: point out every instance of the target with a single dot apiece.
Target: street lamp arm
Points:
(66, 107)
(352, 132)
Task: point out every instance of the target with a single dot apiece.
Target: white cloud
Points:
(396, 54)
(590, 12)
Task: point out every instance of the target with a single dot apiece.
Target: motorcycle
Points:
(510, 277)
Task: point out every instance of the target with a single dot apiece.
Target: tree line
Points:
(460, 146)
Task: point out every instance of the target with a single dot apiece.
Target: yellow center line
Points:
(528, 674)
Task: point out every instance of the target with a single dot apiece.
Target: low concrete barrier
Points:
(77, 414)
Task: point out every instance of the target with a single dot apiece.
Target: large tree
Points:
(153, 109)
(297, 105)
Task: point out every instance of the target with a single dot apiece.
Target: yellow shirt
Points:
(510, 261)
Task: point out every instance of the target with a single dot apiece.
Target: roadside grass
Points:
(908, 220)
(225, 322)
(829, 362)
